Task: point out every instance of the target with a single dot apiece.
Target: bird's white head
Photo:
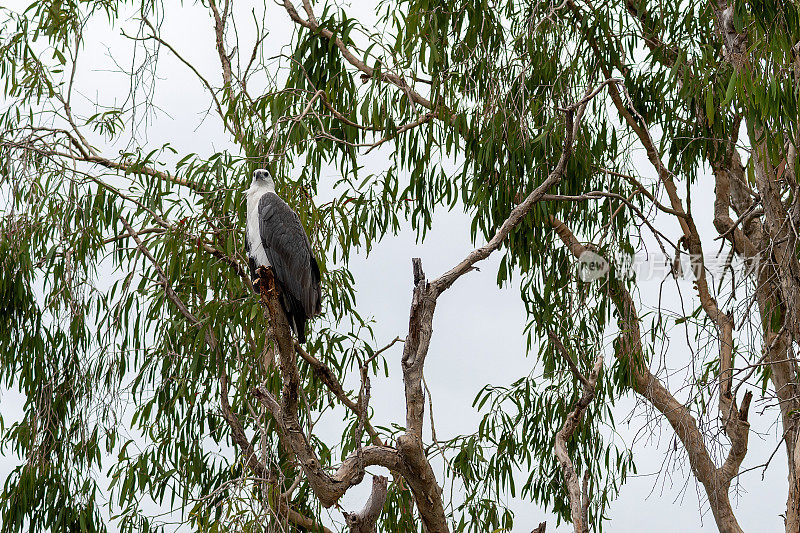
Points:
(262, 179)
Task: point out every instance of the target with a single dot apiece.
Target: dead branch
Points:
(366, 520)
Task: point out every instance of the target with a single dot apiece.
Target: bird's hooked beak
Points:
(263, 178)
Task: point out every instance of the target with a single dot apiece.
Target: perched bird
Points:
(276, 238)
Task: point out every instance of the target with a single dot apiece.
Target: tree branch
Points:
(366, 520)
(573, 113)
(570, 363)
(714, 480)
(578, 499)
(390, 77)
(324, 373)
(239, 437)
(328, 488)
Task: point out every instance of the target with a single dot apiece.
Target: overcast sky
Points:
(478, 330)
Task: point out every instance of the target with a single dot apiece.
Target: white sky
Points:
(478, 336)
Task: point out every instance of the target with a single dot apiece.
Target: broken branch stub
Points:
(366, 520)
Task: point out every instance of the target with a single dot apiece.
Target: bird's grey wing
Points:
(288, 250)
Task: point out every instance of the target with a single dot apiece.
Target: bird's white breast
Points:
(257, 252)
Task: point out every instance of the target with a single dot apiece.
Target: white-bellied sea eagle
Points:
(276, 238)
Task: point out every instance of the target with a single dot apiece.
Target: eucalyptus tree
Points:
(128, 321)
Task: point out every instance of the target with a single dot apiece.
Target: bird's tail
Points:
(300, 329)
(295, 314)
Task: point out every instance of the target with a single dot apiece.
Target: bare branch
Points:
(325, 374)
(366, 520)
(232, 127)
(219, 31)
(422, 480)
